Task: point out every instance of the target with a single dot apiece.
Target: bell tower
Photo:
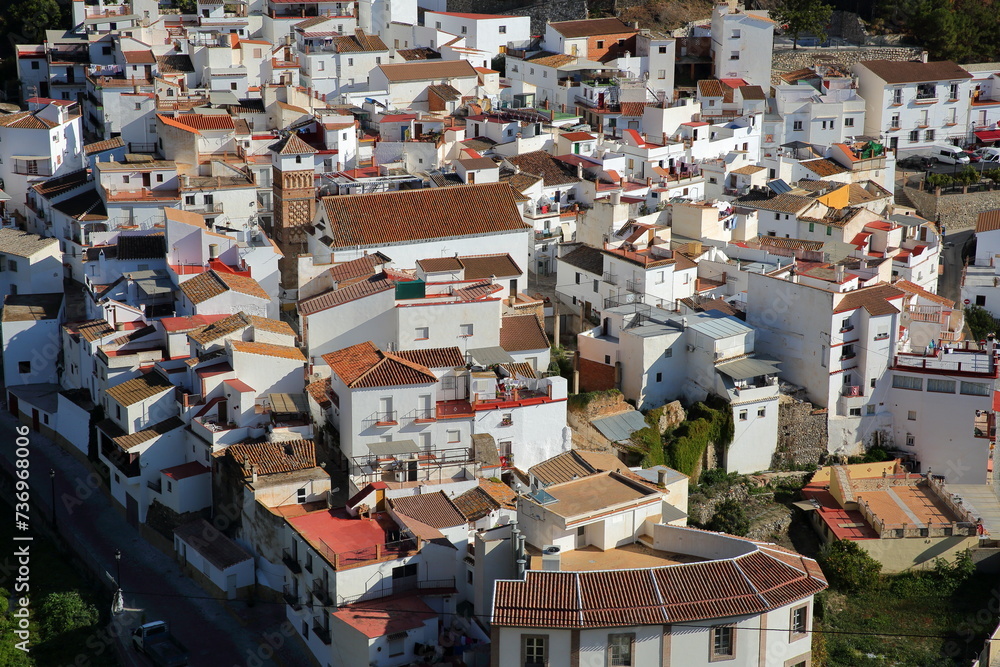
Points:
(294, 192)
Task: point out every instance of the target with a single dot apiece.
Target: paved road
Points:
(949, 284)
(216, 633)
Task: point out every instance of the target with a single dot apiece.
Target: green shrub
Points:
(65, 612)
(730, 517)
(849, 568)
(580, 401)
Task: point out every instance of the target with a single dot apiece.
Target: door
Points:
(231, 587)
(411, 471)
(982, 119)
(131, 511)
(12, 403)
(893, 143)
(223, 410)
(34, 419)
(513, 287)
(146, 179)
(424, 408)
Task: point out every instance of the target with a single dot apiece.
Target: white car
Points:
(988, 154)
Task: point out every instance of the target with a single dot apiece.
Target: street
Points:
(949, 283)
(152, 582)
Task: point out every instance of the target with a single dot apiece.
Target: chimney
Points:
(517, 169)
(253, 473)
(839, 273)
(661, 478)
(649, 181)
(213, 251)
(616, 198)
(579, 170)
(621, 182)
(923, 56)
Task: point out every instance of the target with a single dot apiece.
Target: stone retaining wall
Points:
(788, 60)
(802, 434)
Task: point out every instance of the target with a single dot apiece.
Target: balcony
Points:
(421, 416)
(634, 286)
(291, 598)
(156, 487)
(206, 208)
(382, 418)
(610, 278)
(849, 327)
(291, 562)
(851, 391)
(321, 632)
(322, 593)
(985, 425)
(424, 586)
(848, 356)
(926, 97)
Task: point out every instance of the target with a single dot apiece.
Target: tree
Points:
(33, 17)
(849, 568)
(65, 612)
(798, 16)
(980, 322)
(730, 517)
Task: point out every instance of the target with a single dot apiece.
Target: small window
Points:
(659, 377)
(953, 91)
(600, 43)
(911, 415)
(607, 359)
(535, 650)
(980, 299)
(907, 382)
(662, 49)
(502, 29)
(465, 330)
(743, 415)
(734, 55)
(300, 495)
(668, 353)
(797, 125)
(855, 412)
(422, 333)
(761, 412)
(12, 265)
(848, 122)
(465, 30)
(799, 623)
(24, 367)
(910, 441)
(596, 284)
(125, 179)
(138, 106)
(577, 278)
(723, 643)
(34, 64)
(620, 650)
(870, 409)
(454, 436)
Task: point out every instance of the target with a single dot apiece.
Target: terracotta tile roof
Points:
(434, 509)
(587, 258)
(710, 88)
(413, 215)
(428, 70)
(591, 27)
(420, 53)
(823, 167)
(358, 268)
(270, 458)
(445, 92)
(292, 145)
(138, 389)
(105, 145)
(200, 121)
(25, 121)
(24, 244)
(212, 283)
(633, 108)
(915, 72)
(439, 357)
(91, 330)
(540, 163)
(873, 299)
(988, 221)
(138, 57)
(484, 266)
(783, 203)
(127, 441)
(478, 291)
(916, 290)
(373, 285)
(59, 184)
(272, 326)
(792, 244)
(268, 350)
(748, 170)
(186, 470)
(798, 75)
(215, 547)
(550, 59)
(522, 368)
(752, 93)
(519, 333)
(761, 580)
(488, 497)
(364, 366)
(319, 391)
(359, 42)
(561, 468)
(386, 616)
(175, 64)
(440, 264)
(217, 330)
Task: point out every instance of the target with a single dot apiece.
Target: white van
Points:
(949, 154)
(989, 154)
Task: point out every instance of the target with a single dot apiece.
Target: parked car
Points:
(915, 162)
(949, 154)
(973, 155)
(154, 639)
(988, 154)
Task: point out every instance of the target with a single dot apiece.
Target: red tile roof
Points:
(762, 579)
(365, 366)
(440, 357)
(414, 215)
(269, 458)
(428, 70)
(592, 27)
(873, 299)
(185, 470)
(434, 509)
(378, 618)
(212, 283)
(268, 350)
(988, 221)
(373, 285)
(519, 333)
(200, 121)
(319, 391)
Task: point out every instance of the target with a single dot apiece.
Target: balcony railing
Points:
(633, 286)
(207, 207)
(322, 593)
(291, 598)
(384, 591)
(610, 278)
(926, 96)
(851, 391)
(848, 356)
(290, 561)
(321, 632)
(382, 418)
(154, 486)
(849, 327)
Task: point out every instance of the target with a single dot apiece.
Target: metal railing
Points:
(610, 278)
(382, 417)
(290, 561)
(291, 598)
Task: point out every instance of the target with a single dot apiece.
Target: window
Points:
(170, 487)
(846, 325)
(350, 62)
(535, 650)
(894, 121)
(232, 86)
(799, 622)
(437, 24)
(847, 352)
(975, 389)
(914, 136)
(723, 644)
(907, 382)
(600, 43)
(854, 412)
(502, 29)
(24, 367)
(661, 74)
(953, 91)
(659, 377)
(422, 333)
(743, 415)
(300, 495)
(796, 125)
(941, 386)
(910, 440)
(34, 64)
(829, 231)
(620, 650)
(873, 382)
(848, 122)
(465, 30)
(870, 409)
(761, 412)
(577, 278)
(911, 415)
(897, 96)
(454, 436)
(125, 179)
(596, 283)
(465, 330)
(929, 135)
(663, 49)
(12, 265)
(667, 354)
(980, 299)
(607, 359)
(734, 55)
(735, 34)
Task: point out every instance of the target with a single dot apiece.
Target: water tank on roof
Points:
(413, 289)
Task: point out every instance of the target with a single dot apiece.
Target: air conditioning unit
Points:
(551, 559)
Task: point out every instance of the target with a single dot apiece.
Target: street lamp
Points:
(118, 563)
(55, 519)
